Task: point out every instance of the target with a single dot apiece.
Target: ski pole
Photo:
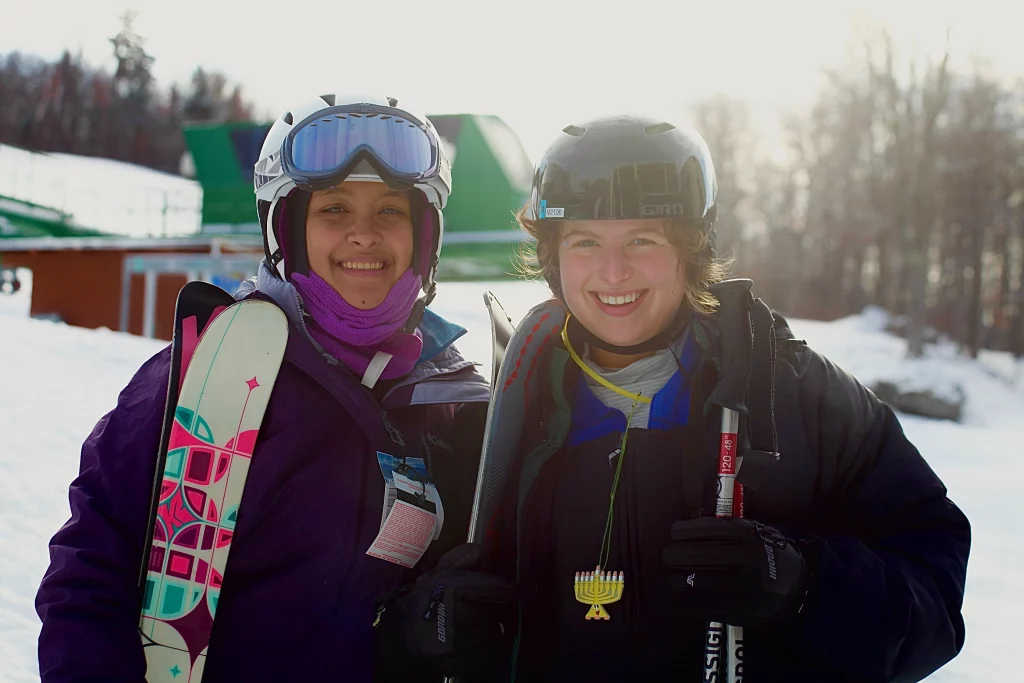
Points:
(730, 393)
(728, 503)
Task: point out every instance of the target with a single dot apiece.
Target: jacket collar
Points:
(439, 361)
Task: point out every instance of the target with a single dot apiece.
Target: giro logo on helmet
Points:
(658, 210)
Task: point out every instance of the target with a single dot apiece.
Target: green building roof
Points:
(19, 218)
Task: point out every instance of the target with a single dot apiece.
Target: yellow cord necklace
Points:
(599, 588)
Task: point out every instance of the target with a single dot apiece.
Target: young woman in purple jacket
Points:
(351, 219)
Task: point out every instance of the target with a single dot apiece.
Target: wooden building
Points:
(121, 283)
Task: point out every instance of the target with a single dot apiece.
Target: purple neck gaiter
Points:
(353, 335)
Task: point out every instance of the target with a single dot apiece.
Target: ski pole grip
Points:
(737, 342)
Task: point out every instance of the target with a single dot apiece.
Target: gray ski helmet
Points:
(626, 167)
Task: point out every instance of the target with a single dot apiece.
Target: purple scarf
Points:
(353, 335)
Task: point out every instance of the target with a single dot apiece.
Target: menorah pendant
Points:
(598, 588)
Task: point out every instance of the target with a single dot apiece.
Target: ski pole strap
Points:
(763, 447)
(736, 338)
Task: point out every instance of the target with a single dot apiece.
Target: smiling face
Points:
(359, 239)
(623, 280)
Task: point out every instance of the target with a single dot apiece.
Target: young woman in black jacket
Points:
(849, 561)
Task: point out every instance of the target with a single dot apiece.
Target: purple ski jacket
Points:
(300, 593)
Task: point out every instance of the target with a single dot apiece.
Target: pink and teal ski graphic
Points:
(224, 394)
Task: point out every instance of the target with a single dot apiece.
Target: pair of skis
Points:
(225, 360)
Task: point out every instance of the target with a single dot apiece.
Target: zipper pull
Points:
(612, 456)
(435, 599)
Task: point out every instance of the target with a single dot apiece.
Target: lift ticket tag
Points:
(412, 515)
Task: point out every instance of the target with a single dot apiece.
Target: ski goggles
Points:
(325, 147)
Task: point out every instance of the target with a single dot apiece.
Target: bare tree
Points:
(903, 186)
(725, 124)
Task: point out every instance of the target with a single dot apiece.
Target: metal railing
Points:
(205, 267)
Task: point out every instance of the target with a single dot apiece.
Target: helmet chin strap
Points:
(424, 258)
(656, 343)
(416, 315)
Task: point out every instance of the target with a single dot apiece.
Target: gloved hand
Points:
(734, 571)
(453, 621)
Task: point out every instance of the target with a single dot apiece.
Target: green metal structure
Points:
(490, 180)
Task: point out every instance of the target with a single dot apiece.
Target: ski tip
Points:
(490, 299)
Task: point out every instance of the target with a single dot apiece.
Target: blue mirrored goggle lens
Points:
(327, 143)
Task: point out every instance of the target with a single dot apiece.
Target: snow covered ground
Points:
(56, 381)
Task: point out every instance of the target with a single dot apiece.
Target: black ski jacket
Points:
(887, 549)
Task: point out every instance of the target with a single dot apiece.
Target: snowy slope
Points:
(57, 381)
(111, 196)
(981, 461)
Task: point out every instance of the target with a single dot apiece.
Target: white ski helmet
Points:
(337, 137)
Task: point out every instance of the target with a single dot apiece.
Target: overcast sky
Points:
(539, 64)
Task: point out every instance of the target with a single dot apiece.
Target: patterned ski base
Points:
(224, 395)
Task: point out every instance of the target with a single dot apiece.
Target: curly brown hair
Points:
(703, 268)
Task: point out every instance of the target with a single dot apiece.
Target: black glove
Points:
(454, 621)
(734, 571)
